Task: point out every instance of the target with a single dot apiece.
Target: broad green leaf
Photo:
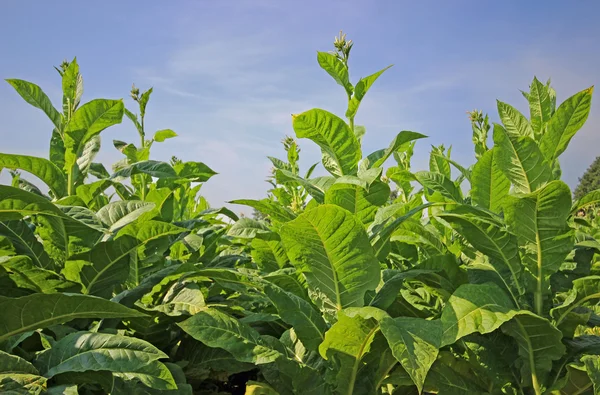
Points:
(331, 248)
(150, 167)
(334, 137)
(34, 95)
(194, 171)
(360, 90)
(489, 186)
(515, 123)
(268, 207)
(25, 242)
(439, 183)
(14, 364)
(415, 343)
(108, 263)
(540, 221)
(25, 274)
(540, 106)
(217, 329)
(268, 253)
(115, 215)
(566, 121)
(585, 292)
(488, 236)
(164, 134)
(539, 345)
(362, 202)
(481, 308)
(42, 168)
(183, 299)
(88, 121)
(16, 203)
(22, 384)
(247, 228)
(307, 322)
(335, 68)
(521, 161)
(125, 357)
(589, 200)
(348, 341)
(17, 316)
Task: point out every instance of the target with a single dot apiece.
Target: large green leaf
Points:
(108, 263)
(540, 221)
(481, 308)
(25, 242)
(25, 274)
(439, 183)
(333, 135)
(268, 207)
(125, 357)
(88, 121)
(300, 314)
(521, 160)
(268, 253)
(217, 329)
(331, 248)
(152, 168)
(34, 95)
(360, 201)
(348, 341)
(247, 228)
(585, 292)
(491, 238)
(194, 171)
(489, 185)
(566, 121)
(540, 106)
(539, 345)
(14, 364)
(16, 203)
(18, 316)
(515, 123)
(335, 68)
(115, 215)
(415, 343)
(42, 168)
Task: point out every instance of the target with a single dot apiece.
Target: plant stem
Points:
(539, 297)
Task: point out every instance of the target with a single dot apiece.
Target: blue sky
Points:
(228, 74)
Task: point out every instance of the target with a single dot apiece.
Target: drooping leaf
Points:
(331, 248)
(539, 345)
(268, 207)
(480, 308)
(115, 215)
(296, 311)
(217, 329)
(16, 316)
(25, 274)
(15, 203)
(378, 158)
(42, 168)
(125, 357)
(489, 237)
(247, 228)
(348, 341)
(439, 183)
(334, 137)
(415, 343)
(25, 242)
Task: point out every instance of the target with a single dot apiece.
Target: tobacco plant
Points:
(476, 279)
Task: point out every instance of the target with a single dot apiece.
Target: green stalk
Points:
(539, 297)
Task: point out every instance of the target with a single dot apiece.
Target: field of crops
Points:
(375, 279)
